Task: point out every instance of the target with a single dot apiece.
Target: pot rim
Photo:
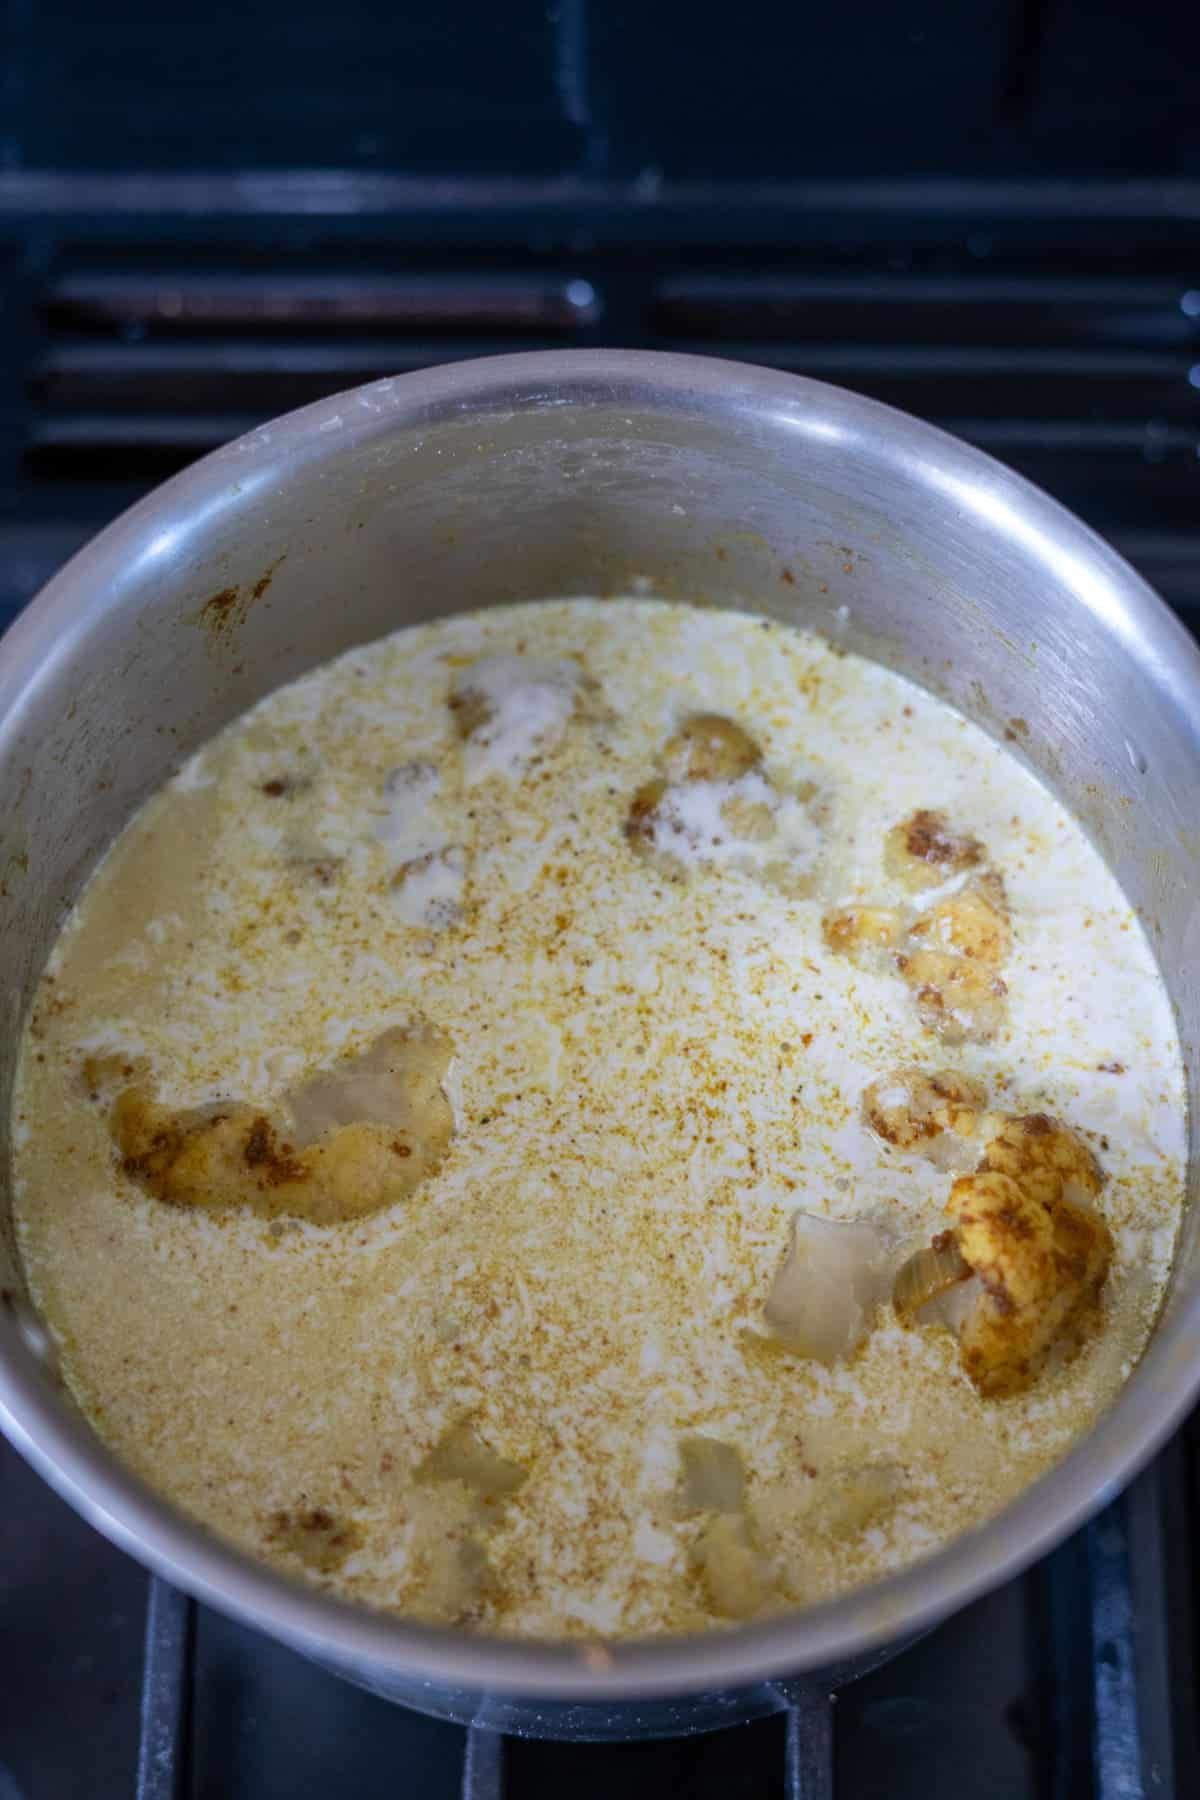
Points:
(69, 1456)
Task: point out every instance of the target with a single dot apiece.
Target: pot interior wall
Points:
(272, 560)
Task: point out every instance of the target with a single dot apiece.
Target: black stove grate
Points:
(1057, 328)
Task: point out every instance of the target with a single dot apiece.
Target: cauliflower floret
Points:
(911, 1108)
(972, 922)
(948, 949)
(952, 961)
(858, 931)
(925, 849)
(715, 806)
(1044, 1157)
(1026, 1227)
(511, 709)
(361, 1136)
(958, 997)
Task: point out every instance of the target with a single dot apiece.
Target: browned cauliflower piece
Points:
(860, 930)
(958, 998)
(1044, 1157)
(973, 922)
(510, 710)
(1026, 1227)
(361, 1136)
(912, 1107)
(926, 849)
(953, 957)
(950, 952)
(714, 805)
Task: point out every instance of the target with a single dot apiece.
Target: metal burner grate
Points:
(1059, 337)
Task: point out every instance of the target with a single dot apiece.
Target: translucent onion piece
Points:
(855, 1498)
(822, 1302)
(462, 1455)
(730, 1569)
(711, 1476)
(932, 1271)
(395, 1083)
(952, 1154)
(915, 1108)
(953, 1306)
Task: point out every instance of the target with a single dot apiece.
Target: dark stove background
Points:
(682, 89)
(147, 319)
(989, 215)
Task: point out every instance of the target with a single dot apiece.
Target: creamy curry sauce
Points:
(598, 1117)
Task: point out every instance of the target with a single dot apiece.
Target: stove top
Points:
(145, 320)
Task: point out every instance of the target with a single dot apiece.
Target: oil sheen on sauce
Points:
(470, 1404)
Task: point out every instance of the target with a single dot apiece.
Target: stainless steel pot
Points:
(588, 472)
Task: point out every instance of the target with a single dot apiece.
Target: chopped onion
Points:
(854, 1498)
(951, 1306)
(711, 1475)
(953, 1154)
(822, 1302)
(1082, 1198)
(730, 1568)
(462, 1455)
(394, 1083)
(931, 1272)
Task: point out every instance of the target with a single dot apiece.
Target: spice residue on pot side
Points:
(224, 613)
